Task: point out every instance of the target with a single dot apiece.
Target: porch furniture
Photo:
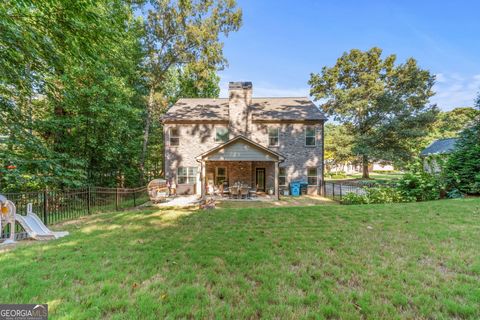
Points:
(244, 192)
(158, 190)
(234, 192)
(253, 193)
(226, 192)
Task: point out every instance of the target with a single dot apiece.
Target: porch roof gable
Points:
(240, 148)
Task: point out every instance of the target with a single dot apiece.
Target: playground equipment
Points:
(7, 216)
(158, 190)
(31, 223)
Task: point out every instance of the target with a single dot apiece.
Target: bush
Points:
(454, 194)
(462, 170)
(386, 195)
(419, 185)
(353, 198)
(376, 195)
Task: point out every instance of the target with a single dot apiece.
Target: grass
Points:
(303, 201)
(374, 177)
(401, 261)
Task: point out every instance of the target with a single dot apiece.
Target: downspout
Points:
(322, 186)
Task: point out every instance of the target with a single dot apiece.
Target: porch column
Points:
(202, 178)
(277, 192)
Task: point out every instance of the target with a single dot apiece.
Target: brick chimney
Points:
(240, 98)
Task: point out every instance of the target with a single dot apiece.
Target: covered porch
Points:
(240, 169)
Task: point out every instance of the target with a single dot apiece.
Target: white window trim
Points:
(170, 136)
(314, 136)
(188, 176)
(278, 136)
(216, 174)
(284, 176)
(316, 176)
(215, 136)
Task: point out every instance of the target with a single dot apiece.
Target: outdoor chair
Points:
(253, 193)
(234, 192)
(244, 192)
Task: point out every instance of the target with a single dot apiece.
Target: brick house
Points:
(265, 143)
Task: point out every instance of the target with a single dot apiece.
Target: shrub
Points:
(376, 195)
(454, 194)
(386, 195)
(462, 170)
(353, 198)
(419, 185)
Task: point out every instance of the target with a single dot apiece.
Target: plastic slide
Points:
(35, 228)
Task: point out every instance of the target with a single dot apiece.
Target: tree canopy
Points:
(383, 105)
(462, 170)
(80, 80)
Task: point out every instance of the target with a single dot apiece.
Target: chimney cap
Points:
(240, 85)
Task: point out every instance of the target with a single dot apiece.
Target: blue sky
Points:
(281, 42)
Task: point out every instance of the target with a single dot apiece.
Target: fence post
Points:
(88, 200)
(134, 198)
(116, 199)
(45, 206)
(340, 192)
(333, 190)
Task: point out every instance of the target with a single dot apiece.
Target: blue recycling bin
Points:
(295, 189)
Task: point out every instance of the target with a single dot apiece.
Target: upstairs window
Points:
(174, 137)
(273, 136)
(312, 176)
(221, 134)
(282, 176)
(310, 139)
(186, 175)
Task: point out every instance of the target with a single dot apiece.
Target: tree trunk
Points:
(146, 132)
(365, 174)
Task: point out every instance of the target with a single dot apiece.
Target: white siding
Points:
(241, 151)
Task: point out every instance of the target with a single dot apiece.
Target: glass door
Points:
(260, 179)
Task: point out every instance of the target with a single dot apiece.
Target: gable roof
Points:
(263, 109)
(294, 108)
(441, 146)
(243, 141)
(198, 109)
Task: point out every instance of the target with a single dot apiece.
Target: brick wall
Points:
(196, 139)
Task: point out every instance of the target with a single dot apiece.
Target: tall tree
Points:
(70, 92)
(449, 124)
(179, 33)
(180, 82)
(462, 170)
(383, 105)
(338, 145)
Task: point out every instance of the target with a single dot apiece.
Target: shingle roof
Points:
(295, 108)
(441, 146)
(263, 109)
(198, 109)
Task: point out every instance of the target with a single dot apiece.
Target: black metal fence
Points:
(337, 190)
(56, 206)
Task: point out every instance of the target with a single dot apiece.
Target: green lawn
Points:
(374, 177)
(400, 261)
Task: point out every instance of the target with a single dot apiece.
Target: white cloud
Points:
(454, 90)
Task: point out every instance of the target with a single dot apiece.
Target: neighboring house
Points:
(436, 153)
(356, 167)
(264, 143)
(381, 166)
